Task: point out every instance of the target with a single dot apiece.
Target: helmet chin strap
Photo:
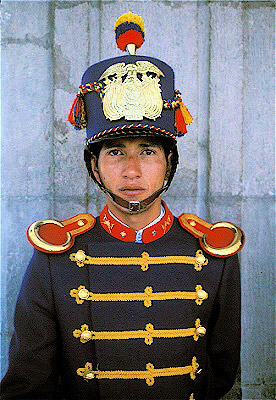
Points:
(133, 206)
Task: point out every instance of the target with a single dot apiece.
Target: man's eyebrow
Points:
(112, 143)
(149, 144)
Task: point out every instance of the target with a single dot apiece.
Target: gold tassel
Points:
(186, 114)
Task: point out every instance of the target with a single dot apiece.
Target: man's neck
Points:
(139, 220)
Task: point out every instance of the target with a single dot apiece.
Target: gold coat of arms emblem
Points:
(132, 91)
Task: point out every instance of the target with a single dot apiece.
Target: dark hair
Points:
(168, 144)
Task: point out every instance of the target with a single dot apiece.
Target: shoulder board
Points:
(52, 236)
(221, 239)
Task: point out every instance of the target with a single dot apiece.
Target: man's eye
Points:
(148, 152)
(115, 152)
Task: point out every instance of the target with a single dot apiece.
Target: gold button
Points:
(80, 255)
(90, 375)
(80, 223)
(202, 295)
(200, 258)
(201, 331)
(192, 223)
(123, 234)
(83, 294)
(86, 335)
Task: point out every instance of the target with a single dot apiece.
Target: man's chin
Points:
(132, 199)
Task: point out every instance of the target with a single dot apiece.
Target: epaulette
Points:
(52, 236)
(221, 239)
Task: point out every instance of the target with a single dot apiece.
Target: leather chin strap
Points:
(134, 206)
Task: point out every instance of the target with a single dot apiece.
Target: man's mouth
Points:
(132, 190)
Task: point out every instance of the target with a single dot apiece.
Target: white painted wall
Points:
(223, 57)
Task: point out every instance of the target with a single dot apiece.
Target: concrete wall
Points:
(223, 57)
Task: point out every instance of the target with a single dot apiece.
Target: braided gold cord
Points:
(81, 294)
(144, 261)
(149, 374)
(84, 334)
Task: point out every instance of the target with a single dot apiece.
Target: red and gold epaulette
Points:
(52, 236)
(221, 239)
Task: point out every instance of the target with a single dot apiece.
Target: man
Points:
(135, 304)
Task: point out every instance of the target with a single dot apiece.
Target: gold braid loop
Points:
(81, 294)
(84, 334)
(81, 259)
(148, 374)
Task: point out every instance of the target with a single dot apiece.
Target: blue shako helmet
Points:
(126, 100)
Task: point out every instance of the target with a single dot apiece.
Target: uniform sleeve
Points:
(225, 332)
(33, 363)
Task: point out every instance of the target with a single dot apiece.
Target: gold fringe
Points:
(148, 334)
(149, 374)
(81, 294)
(144, 261)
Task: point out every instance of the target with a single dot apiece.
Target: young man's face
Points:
(132, 168)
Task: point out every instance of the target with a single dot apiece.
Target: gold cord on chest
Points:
(81, 294)
(84, 334)
(148, 374)
(198, 261)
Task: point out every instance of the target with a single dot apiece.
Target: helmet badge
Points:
(132, 91)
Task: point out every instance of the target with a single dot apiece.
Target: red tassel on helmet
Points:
(180, 122)
(77, 116)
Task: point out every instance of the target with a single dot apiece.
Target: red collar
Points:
(126, 234)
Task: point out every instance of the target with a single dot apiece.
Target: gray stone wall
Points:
(223, 56)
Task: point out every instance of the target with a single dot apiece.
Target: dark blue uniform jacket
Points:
(165, 329)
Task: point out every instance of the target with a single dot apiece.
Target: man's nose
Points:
(132, 168)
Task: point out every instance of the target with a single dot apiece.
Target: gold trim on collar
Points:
(81, 294)
(149, 374)
(144, 261)
(84, 334)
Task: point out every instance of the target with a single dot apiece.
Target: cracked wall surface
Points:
(223, 56)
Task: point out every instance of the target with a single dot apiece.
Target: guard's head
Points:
(92, 151)
(130, 96)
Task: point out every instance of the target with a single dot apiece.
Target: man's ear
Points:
(169, 166)
(94, 168)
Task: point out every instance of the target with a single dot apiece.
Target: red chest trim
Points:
(126, 234)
